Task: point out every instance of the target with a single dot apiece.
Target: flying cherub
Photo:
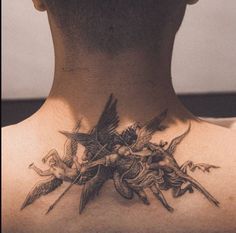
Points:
(175, 176)
(60, 169)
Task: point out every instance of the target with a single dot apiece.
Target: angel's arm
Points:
(77, 164)
(57, 157)
(153, 166)
(109, 160)
(41, 172)
(98, 162)
(144, 153)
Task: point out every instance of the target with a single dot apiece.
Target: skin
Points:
(56, 168)
(141, 81)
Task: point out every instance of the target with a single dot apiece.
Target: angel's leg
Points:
(202, 166)
(185, 165)
(51, 153)
(178, 191)
(56, 156)
(143, 196)
(86, 166)
(157, 192)
(39, 171)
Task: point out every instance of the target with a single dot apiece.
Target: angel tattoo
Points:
(129, 158)
(59, 170)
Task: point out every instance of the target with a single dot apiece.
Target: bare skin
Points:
(142, 84)
(211, 148)
(57, 167)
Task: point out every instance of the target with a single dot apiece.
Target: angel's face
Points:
(137, 127)
(52, 162)
(124, 150)
(131, 139)
(86, 155)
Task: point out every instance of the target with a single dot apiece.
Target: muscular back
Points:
(192, 211)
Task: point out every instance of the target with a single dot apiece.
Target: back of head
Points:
(112, 26)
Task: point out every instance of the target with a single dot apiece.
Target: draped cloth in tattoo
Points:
(129, 158)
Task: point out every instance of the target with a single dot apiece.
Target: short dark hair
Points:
(113, 25)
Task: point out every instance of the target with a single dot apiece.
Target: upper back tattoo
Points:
(129, 158)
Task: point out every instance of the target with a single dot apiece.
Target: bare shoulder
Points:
(10, 144)
(12, 141)
(229, 122)
(216, 133)
(13, 136)
(20, 145)
(211, 143)
(7, 133)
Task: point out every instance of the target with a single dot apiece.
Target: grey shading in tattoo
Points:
(60, 169)
(129, 158)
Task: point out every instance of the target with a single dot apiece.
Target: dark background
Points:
(204, 105)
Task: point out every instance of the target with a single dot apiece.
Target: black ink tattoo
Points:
(129, 158)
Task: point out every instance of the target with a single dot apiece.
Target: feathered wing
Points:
(71, 147)
(146, 132)
(102, 136)
(91, 143)
(40, 189)
(99, 143)
(108, 122)
(172, 147)
(91, 188)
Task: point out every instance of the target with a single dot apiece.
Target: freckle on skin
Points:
(231, 198)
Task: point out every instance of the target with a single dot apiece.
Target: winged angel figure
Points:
(129, 158)
(59, 170)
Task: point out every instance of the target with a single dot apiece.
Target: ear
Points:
(191, 2)
(39, 5)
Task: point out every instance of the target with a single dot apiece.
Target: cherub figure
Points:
(175, 176)
(57, 167)
(60, 169)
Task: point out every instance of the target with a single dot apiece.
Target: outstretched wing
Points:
(91, 188)
(91, 143)
(100, 141)
(171, 148)
(146, 132)
(40, 189)
(108, 122)
(71, 147)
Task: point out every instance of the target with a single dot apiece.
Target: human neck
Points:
(139, 81)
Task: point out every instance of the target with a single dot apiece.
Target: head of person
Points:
(52, 162)
(124, 151)
(87, 155)
(113, 26)
(129, 136)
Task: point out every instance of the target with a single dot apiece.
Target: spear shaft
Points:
(60, 197)
(70, 186)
